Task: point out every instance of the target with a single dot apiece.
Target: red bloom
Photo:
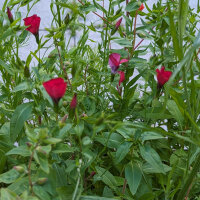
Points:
(10, 16)
(114, 62)
(118, 23)
(33, 24)
(122, 77)
(73, 103)
(162, 76)
(141, 7)
(55, 88)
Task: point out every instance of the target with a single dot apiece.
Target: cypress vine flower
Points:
(114, 62)
(55, 88)
(162, 76)
(33, 24)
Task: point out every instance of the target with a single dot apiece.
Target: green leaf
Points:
(132, 6)
(124, 42)
(95, 198)
(133, 176)
(176, 113)
(112, 140)
(122, 151)
(6, 67)
(21, 114)
(21, 150)
(150, 136)
(52, 140)
(107, 177)
(7, 194)
(98, 6)
(22, 86)
(9, 176)
(41, 193)
(152, 157)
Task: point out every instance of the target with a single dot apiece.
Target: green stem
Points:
(190, 179)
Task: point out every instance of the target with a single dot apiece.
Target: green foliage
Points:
(132, 141)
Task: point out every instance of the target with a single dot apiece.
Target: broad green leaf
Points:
(152, 157)
(149, 169)
(9, 176)
(122, 151)
(176, 113)
(106, 177)
(22, 86)
(124, 42)
(132, 6)
(7, 194)
(19, 186)
(21, 150)
(148, 135)
(21, 114)
(112, 140)
(133, 176)
(41, 193)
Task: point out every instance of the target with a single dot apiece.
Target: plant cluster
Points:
(98, 123)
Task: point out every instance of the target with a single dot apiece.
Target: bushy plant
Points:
(97, 122)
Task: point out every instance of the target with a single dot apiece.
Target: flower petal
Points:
(55, 88)
(33, 24)
(123, 61)
(122, 77)
(73, 103)
(114, 59)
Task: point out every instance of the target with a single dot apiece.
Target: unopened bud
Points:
(28, 144)
(10, 16)
(39, 149)
(41, 181)
(64, 118)
(67, 19)
(73, 103)
(20, 169)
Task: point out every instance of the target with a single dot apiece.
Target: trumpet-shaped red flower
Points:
(55, 88)
(118, 23)
(73, 103)
(33, 24)
(162, 76)
(114, 62)
(122, 77)
(10, 16)
(141, 7)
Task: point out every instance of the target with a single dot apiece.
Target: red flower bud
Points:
(141, 7)
(10, 16)
(33, 24)
(55, 88)
(162, 76)
(122, 77)
(73, 103)
(118, 23)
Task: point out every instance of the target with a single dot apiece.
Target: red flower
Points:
(141, 7)
(118, 23)
(55, 88)
(73, 103)
(122, 77)
(33, 24)
(162, 76)
(114, 62)
(10, 16)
